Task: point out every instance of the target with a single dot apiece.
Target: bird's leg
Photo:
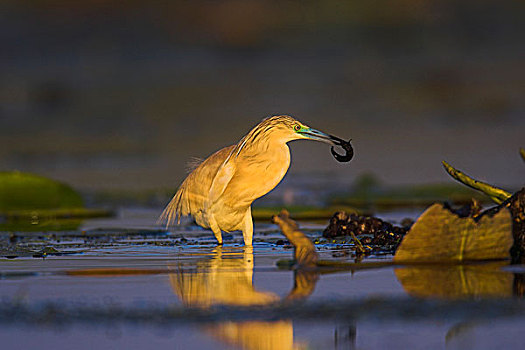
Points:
(216, 230)
(218, 235)
(247, 227)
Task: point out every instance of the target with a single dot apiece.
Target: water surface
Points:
(125, 283)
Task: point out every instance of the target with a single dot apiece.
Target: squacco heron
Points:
(219, 192)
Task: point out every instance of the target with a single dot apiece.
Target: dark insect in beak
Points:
(349, 151)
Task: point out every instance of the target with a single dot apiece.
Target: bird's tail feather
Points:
(173, 211)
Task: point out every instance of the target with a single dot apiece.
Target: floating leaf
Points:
(31, 202)
(23, 191)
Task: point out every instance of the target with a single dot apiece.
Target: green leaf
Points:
(23, 191)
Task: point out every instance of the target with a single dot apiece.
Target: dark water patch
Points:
(378, 309)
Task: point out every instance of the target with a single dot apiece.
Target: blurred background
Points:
(119, 95)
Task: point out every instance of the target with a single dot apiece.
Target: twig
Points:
(359, 249)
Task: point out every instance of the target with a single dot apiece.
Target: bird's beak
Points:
(317, 135)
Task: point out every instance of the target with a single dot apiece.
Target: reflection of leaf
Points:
(456, 281)
(439, 235)
(40, 225)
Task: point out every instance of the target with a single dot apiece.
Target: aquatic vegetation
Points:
(24, 191)
(30, 202)
(496, 194)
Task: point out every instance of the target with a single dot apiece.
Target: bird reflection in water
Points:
(226, 278)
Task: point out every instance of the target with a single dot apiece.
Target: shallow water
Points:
(127, 284)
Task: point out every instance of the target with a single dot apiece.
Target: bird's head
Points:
(288, 129)
(283, 128)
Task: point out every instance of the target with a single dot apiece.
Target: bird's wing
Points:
(221, 181)
(192, 196)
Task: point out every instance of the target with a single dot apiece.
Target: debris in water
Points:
(373, 231)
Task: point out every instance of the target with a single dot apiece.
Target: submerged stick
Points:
(496, 194)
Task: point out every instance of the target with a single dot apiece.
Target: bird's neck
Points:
(268, 146)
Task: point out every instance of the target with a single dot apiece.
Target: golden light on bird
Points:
(219, 192)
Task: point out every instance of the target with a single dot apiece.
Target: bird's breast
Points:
(257, 174)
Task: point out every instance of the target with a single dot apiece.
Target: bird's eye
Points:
(297, 127)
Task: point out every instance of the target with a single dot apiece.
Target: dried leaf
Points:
(441, 236)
